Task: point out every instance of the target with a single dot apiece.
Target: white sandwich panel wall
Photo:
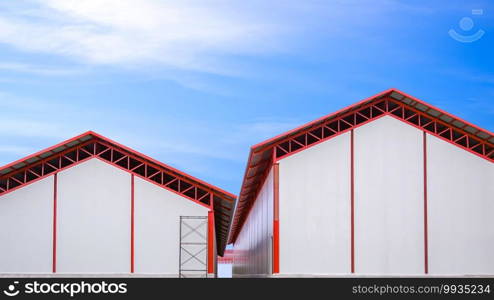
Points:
(253, 247)
(460, 210)
(314, 208)
(26, 229)
(93, 212)
(157, 214)
(389, 205)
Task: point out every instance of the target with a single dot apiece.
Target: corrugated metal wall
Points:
(253, 248)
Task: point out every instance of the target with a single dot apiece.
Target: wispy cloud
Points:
(188, 34)
(9, 153)
(36, 69)
(211, 140)
(177, 34)
(193, 146)
(207, 151)
(29, 128)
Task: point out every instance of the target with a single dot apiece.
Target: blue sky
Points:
(195, 83)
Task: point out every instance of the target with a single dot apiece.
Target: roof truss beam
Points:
(371, 111)
(95, 148)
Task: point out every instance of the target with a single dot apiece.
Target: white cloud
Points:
(211, 140)
(14, 149)
(180, 34)
(55, 121)
(199, 35)
(27, 128)
(36, 69)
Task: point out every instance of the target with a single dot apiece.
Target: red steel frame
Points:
(210, 242)
(364, 112)
(108, 153)
(426, 229)
(211, 234)
(374, 110)
(211, 229)
(344, 121)
(127, 160)
(352, 203)
(96, 136)
(276, 218)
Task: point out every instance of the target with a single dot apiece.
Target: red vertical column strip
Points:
(352, 203)
(214, 245)
(276, 218)
(132, 235)
(426, 238)
(211, 234)
(55, 192)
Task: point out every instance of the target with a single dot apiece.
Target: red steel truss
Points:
(420, 115)
(220, 203)
(109, 154)
(396, 109)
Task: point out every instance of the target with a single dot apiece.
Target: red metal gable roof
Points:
(391, 102)
(92, 145)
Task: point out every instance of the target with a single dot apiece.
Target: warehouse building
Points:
(388, 186)
(92, 206)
